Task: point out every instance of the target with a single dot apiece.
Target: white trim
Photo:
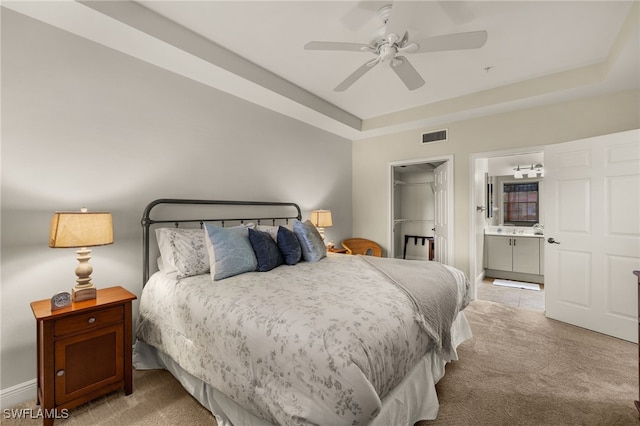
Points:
(472, 201)
(450, 207)
(17, 394)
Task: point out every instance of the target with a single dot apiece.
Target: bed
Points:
(327, 340)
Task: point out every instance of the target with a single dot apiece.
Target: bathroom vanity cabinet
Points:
(507, 256)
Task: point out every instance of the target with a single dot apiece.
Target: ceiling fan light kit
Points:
(387, 45)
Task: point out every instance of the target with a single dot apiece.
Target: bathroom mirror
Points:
(515, 190)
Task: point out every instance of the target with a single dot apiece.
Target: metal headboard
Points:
(147, 221)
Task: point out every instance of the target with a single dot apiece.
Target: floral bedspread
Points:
(315, 343)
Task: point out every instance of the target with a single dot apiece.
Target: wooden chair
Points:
(362, 246)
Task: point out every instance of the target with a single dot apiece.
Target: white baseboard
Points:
(18, 394)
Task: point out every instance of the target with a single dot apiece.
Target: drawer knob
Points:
(60, 373)
(91, 320)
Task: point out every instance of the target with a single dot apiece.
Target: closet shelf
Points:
(401, 182)
(397, 221)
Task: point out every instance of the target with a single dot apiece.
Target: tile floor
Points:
(517, 297)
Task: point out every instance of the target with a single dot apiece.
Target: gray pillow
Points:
(313, 248)
(183, 251)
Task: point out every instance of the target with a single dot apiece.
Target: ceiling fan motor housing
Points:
(387, 52)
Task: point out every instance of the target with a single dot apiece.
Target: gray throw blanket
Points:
(433, 291)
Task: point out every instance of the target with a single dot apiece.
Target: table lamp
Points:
(321, 219)
(81, 230)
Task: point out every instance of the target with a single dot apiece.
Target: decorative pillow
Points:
(266, 250)
(289, 246)
(230, 251)
(313, 248)
(271, 230)
(183, 251)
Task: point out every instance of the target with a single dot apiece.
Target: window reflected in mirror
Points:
(520, 203)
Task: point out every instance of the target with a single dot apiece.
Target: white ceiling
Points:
(537, 52)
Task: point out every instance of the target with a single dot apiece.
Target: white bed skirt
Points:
(415, 399)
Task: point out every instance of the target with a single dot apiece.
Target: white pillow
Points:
(183, 251)
(271, 230)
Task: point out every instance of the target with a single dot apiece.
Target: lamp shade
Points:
(321, 218)
(80, 229)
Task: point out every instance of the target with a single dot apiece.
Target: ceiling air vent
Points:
(437, 136)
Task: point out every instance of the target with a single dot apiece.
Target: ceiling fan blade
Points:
(336, 45)
(458, 41)
(406, 72)
(356, 75)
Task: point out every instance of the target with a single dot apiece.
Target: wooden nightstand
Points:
(84, 351)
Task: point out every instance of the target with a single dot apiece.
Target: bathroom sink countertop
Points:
(510, 232)
(518, 231)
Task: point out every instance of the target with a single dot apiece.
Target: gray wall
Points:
(534, 127)
(84, 125)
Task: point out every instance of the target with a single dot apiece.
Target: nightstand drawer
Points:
(88, 321)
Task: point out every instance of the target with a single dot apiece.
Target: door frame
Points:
(450, 198)
(473, 202)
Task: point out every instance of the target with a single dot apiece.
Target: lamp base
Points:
(80, 293)
(321, 232)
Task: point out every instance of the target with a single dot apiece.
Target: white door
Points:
(592, 233)
(441, 217)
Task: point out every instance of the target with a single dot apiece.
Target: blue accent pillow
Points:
(313, 248)
(266, 250)
(230, 252)
(289, 246)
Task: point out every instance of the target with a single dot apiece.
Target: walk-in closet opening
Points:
(420, 197)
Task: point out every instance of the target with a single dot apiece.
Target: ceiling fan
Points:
(389, 46)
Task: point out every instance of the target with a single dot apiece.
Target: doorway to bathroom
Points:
(506, 241)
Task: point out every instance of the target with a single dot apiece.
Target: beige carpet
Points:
(519, 369)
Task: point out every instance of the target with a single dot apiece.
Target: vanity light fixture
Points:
(534, 171)
(518, 174)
